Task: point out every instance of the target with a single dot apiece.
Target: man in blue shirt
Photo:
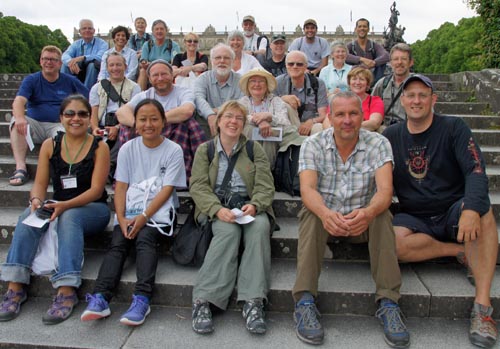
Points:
(83, 57)
(40, 95)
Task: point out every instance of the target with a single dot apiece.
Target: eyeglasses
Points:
(71, 113)
(235, 117)
(192, 41)
(51, 60)
(297, 64)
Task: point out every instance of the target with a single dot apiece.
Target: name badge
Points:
(68, 182)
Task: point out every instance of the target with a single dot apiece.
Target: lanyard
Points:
(71, 162)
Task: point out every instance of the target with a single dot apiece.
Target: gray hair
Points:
(85, 20)
(222, 46)
(346, 95)
(338, 43)
(300, 53)
(401, 47)
(235, 33)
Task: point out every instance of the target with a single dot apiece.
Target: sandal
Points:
(10, 308)
(58, 312)
(19, 177)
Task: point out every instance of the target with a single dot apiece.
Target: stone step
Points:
(8, 93)
(5, 115)
(12, 76)
(444, 85)
(448, 96)
(170, 327)
(486, 137)
(427, 289)
(439, 77)
(459, 108)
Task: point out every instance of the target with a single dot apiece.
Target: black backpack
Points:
(286, 178)
(263, 57)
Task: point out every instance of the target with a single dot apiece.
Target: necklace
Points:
(72, 161)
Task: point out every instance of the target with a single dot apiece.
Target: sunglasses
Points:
(71, 113)
(297, 64)
(192, 41)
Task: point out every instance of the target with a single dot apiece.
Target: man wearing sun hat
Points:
(316, 49)
(276, 63)
(442, 188)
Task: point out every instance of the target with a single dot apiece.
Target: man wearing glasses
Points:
(304, 93)
(83, 57)
(40, 95)
(442, 188)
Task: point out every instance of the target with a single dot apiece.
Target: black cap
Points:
(278, 37)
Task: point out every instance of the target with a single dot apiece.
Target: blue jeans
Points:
(72, 226)
(88, 73)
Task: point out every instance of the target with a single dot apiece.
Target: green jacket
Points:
(256, 175)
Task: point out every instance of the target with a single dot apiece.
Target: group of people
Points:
(157, 140)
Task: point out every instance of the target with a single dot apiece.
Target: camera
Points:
(232, 200)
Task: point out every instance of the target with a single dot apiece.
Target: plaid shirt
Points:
(350, 185)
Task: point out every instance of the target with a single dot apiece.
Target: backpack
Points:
(268, 54)
(371, 48)
(167, 49)
(286, 178)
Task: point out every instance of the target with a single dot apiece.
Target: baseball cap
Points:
(249, 18)
(278, 37)
(419, 77)
(310, 21)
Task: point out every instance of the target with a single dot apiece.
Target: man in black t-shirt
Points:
(276, 64)
(442, 188)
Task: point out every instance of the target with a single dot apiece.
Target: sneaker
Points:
(395, 333)
(58, 312)
(97, 309)
(202, 317)
(136, 314)
(10, 308)
(483, 330)
(308, 327)
(462, 259)
(253, 313)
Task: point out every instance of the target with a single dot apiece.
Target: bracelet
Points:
(33, 198)
(145, 215)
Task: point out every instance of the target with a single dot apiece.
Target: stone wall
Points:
(485, 84)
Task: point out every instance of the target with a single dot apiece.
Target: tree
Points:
(22, 44)
(489, 11)
(450, 48)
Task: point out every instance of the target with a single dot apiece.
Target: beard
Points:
(248, 33)
(222, 71)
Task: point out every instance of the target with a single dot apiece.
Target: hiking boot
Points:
(98, 307)
(462, 259)
(307, 325)
(483, 330)
(395, 333)
(136, 314)
(11, 304)
(253, 312)
(58, 312)
(202, 317)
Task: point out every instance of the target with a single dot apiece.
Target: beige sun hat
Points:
(271, 81)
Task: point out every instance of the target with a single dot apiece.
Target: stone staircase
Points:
(436, 296)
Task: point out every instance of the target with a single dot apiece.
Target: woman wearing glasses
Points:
(77, 163)
(248, 186)
(192, 62)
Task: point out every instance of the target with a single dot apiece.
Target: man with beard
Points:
(252, 45)
(178, 103)
(391, 87)
(365, 52)
(216, 86)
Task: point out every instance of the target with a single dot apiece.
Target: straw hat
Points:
(271, 81)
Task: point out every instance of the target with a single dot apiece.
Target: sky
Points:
(417, 16)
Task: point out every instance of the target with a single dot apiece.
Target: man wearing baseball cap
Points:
(442, 188)
(276, 63)
(316, 49)
(254, 44)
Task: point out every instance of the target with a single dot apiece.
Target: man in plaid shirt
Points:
(346, 188)
(179, 106)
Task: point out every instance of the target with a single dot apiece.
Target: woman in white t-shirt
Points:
(149, 157)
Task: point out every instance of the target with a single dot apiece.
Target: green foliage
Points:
(22, 44)
(489, 12)
(450, 48)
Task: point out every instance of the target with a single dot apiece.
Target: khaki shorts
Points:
(40, 131)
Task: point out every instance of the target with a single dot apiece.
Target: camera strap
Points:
(229, 172)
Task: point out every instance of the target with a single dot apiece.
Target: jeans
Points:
(88, 73)
(72, 226)
(146, 262)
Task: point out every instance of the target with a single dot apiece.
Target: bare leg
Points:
(19, 149)
(482, 256)
(417, 247)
